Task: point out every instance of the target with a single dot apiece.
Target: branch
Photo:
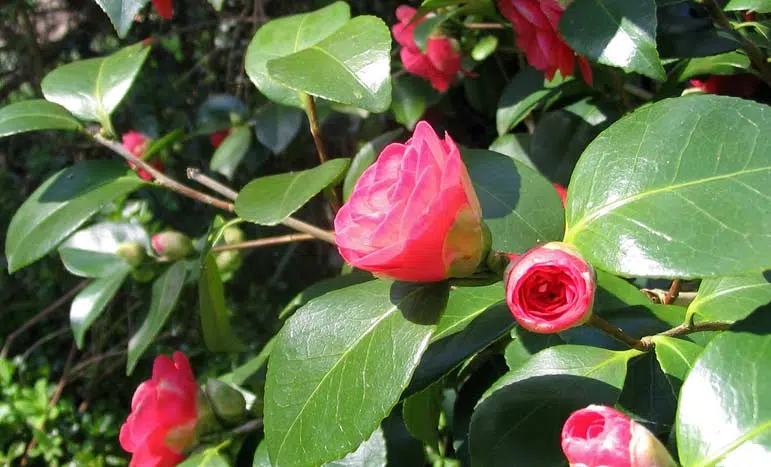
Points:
(617, 333)
(688, 328)
(318, 140)
(289, 238)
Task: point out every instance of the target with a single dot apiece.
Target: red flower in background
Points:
(744, 85)
(164, 8)
(439, 64)
(218, 137)
(562, 192)
(535, 22)
(137, 144)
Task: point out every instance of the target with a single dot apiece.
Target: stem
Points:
(289, 238)
(248, 427)
(608, 328)
(318, 140)
(210, 183)
(672, 293)
(161, 178)
(638, 92)
(688, 328)
(484, 26)
(757, 57)
(301, 226)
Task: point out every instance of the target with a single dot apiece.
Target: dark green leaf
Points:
(648, 394)
(622, 34)
(525, 344)
(208, 458)
(421, 414)
(724, 415)
(522, 94)
(365, 157)
(92, 89)
(90, 302)
(36, 114)
(519, 206)
(426, 28)
(91, 252)
(731, 298)
(729, 63)
(61, 204)
(370, 453)
(285, 36)
(410, 97)
(231, 152)
(676, 357)
(215, 322)
(614, 293)
(324, 286)
(121, 13)
(464, 305)
(759, 6)
(216, 111)
(341, 363)
(277, 125)
(351, 66)
(514, 145)
(270, 200)
(709, 158)
(166, 290)
(244, 372)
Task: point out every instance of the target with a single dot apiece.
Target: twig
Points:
(638, 92)
(672, 293)
(288, 238)
(248, 427)
(42, 314)
(687, 328)
(484, 26)
(318, 140)
(617, 333)
(161, 178)
(77, 369)
(210, 183)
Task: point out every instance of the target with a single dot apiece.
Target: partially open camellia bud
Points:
(550, 288)
(599, 436)
(172, 245)
(413, 215)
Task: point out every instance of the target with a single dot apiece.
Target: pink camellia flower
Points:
(218, 137)
(137, 144)
(599, 436)
(562, 192)
(163, 414)
(441, 61)
(535, 23)
(550, 288)
(413, 215)
(744, 85)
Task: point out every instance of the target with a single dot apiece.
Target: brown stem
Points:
(210, 183)
(484, 26)
(161, 178)
(289, 238)
(688, 328)
(318, 140)
(42, 314)
(672, 293)
(757, 57)
(615, 332)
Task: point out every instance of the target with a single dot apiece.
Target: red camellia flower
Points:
(137, 144)
(218, 137)
(441, 61)
(744, 85)
(550, 288)
(163, 414)
(413, 214)
(535, 22)
(164, 8)
(599, 436)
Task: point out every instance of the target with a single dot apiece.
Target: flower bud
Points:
(228, 261)
(172, 245)
(599, 436)
(233, 235)
(132, 253)
(550, 288)
(227, 403)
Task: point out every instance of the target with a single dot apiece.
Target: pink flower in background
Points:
(599, 436)
(562, 192)
(218, 137)
(536, 25)
(550, 288)
(163, 414)
(744, 85)
(165, 8)
(441, 61)
(137, 144)
(413, 215)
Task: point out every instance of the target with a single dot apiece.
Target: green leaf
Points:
(724, 416)
(676, 357)
(238, 376)
(215, 323)
(341, 363)
(36, 114)
(519, 206)
(90, 302)
(92, 89)
(231, 152)
(758, 6)
(365, 157)
(165, 293)
(91, 252)
(464, 305)
(514, 145)
(525, 344)
(370, 453)
(357, 276)
(351, 66)
(270, 200)
(208, 458)
(277, 125)
(648, 394)
(623, 34)
(523, 94)
(121, 13)
(410, 97)
(708, 158)
(421, 413)
(615, 293)
(426, 28)
(729, 63)
(216, 4)
(61, 204)
(731, 298)
(285, 36)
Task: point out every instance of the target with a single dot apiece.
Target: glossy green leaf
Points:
(36, 114)
(208, 458)
(165, 293)
(731, 298)
(285, 36)
(61, 204)
(365, 157)
(421, 413)
(724, 415)
(370, 453)
(729, 63)
(614, 293)
(92, 88)
(410, 97)
(239, 375)
(759, 6)
(215, 320)
(519, 206)
(90, 302)
(121, 13)
(708, 157)
(351, 66)
(623, 34)
(322, 287)
(91, 252)
(465, 305)
(341, 363)
(676, 357)
(648, 394)
(514, 145)
(231, 152)
(270, 200)
(522, 94)
(525, 344)
(277, 125)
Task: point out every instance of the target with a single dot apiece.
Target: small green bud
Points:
(132, 253)
(227, 402)
(228, 260)
(233, 235)
(172, 245)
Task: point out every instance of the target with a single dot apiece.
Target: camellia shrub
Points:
(591, 289)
